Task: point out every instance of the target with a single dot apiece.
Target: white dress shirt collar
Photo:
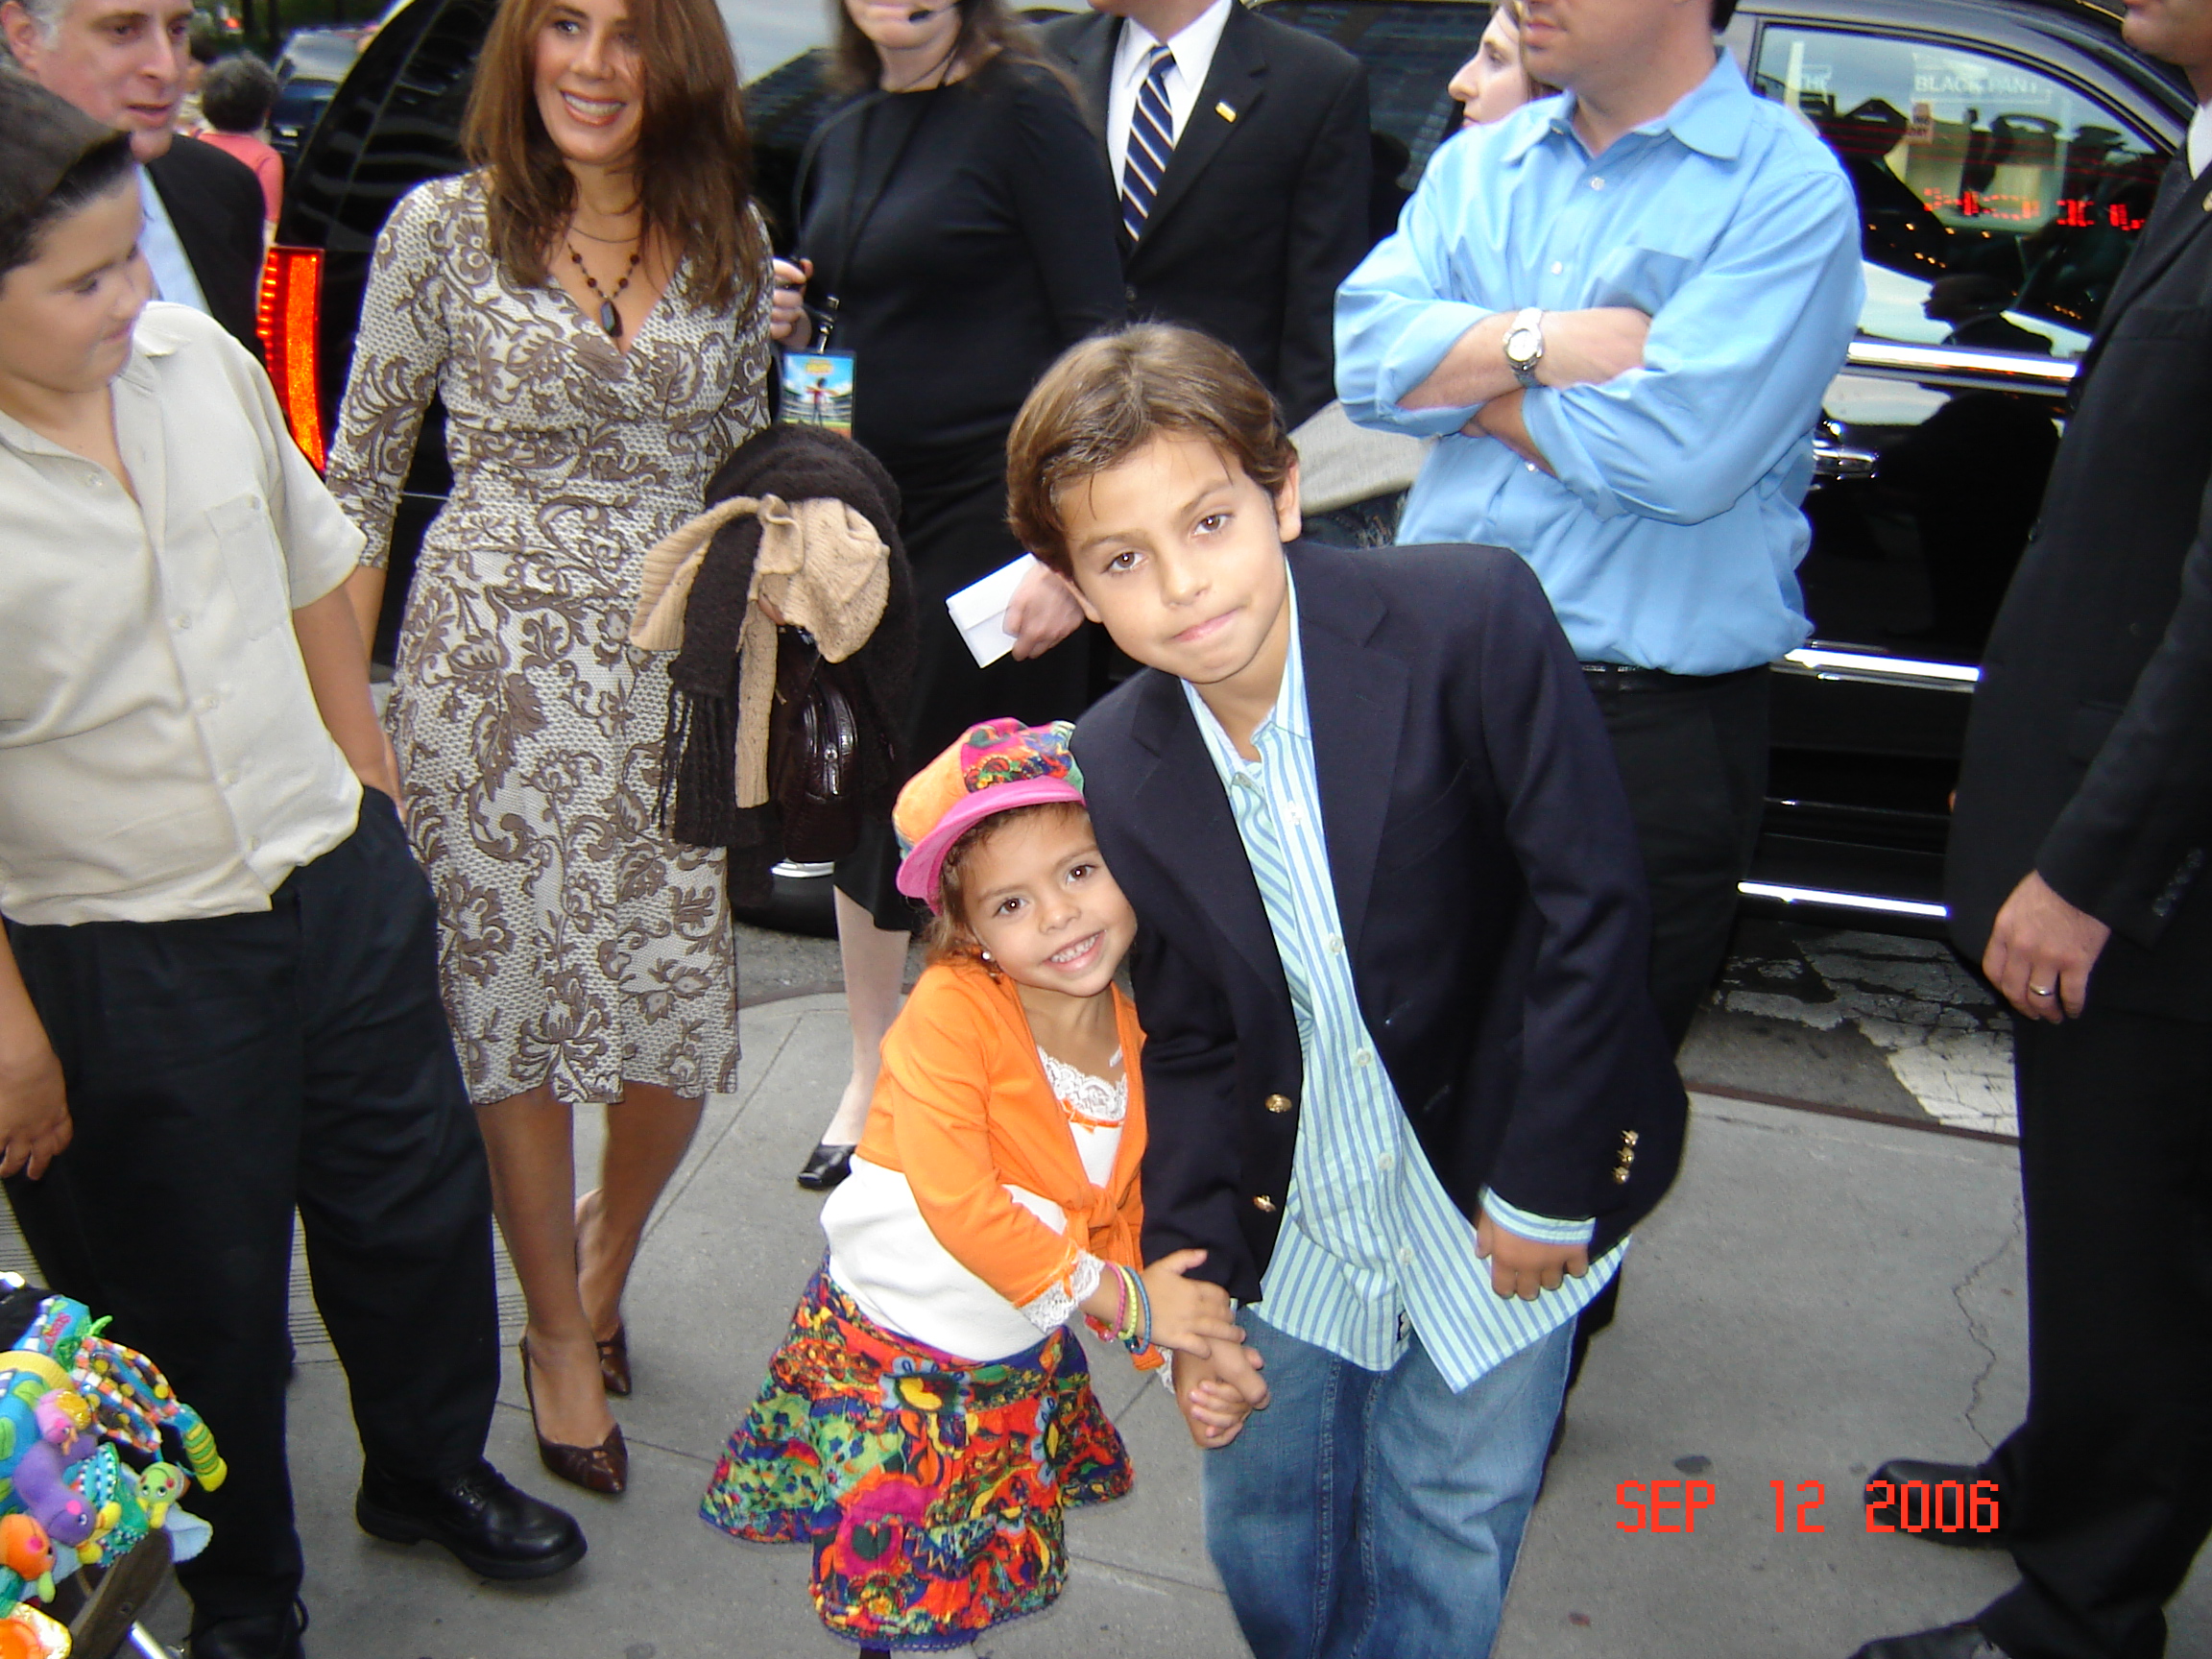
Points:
(2200, 139)
(174, 278)
(1193, 46)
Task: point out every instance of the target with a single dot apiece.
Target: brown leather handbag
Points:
(814, 741)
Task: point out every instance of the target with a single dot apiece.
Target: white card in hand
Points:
(979, 610)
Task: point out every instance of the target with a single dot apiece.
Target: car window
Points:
(1999, 202)
(1410, 48)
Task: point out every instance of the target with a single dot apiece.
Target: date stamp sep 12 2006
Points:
(1891, 1506)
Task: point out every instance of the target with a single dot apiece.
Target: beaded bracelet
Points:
(1139, 1336)
(1133, 1328)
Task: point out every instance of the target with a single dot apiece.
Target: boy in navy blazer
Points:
(1406, 1087)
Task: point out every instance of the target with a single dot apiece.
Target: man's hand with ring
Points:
(2041, 952)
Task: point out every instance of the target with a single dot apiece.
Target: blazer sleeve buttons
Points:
(1263, 1204)
(1281, 1103)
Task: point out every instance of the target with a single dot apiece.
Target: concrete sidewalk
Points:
(1818, 1293)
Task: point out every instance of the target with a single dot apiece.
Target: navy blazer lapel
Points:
(1182, 812)
(1355, 703)
(1234, 82)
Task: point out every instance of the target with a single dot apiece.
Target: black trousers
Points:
(1693, 755)
(2107, 1486)
(220, 1074)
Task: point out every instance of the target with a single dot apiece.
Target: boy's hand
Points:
(1523, 1267)
(1218, 1392)
(1189, 1315)
(34, 1111)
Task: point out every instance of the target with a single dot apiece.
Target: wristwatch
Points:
(1525, 345)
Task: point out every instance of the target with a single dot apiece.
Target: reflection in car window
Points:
(1410, 50)
(1998, 202)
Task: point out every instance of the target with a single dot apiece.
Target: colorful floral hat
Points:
(994, 767)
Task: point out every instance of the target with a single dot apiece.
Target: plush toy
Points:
(66, 1498)
(26, 1556)
(159, 1485)
(27, 1633)
(44, 1483)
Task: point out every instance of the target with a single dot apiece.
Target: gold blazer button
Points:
(1620, 1175)
(1266, 1205)
(1280, 1103)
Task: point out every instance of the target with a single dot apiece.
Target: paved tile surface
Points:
(1815, 1295)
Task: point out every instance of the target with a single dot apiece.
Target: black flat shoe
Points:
(260, 1636)
(829, 1166)
(491, 1528)
(1950, 1641)
(1949, 1520)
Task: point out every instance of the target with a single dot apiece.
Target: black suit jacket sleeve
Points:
(1189, 1083)
(1067, 210)
(2133, 837)
(1327, 241)
(217, 207)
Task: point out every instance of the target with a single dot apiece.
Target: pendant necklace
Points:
(609, 318)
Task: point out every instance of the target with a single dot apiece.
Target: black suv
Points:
(2005, 155)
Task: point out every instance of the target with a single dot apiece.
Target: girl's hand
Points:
(787, 305)
(1189, 1315)
(1216, 1394)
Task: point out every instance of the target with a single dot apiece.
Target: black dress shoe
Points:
(1944, 1524)
(494, 1529)
(261, 1636)
(829, 1166)
(1951, 1642)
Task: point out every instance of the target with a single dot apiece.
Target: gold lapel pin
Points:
(1225, 112)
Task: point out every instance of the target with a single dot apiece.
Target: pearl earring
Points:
(986, 955)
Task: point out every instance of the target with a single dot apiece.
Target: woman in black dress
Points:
(960, 232)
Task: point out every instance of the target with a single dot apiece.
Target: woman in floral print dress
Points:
(590, 305)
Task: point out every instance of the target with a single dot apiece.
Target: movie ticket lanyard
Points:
(857, 218)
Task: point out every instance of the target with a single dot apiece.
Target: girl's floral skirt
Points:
(932, 1489)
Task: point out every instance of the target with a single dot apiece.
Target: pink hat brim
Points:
(923, 869)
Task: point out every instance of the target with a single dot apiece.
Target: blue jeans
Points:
(1377, 1515)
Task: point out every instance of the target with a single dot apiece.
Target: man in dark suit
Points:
(2083, 816)
(122, 62)
(1404, 1085)
(1242, 151)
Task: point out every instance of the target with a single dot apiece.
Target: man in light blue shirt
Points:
(1620, 309)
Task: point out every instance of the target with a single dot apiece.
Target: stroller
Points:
(90, 1514)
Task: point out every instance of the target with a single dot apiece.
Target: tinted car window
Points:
(1410, 51)
(1998, 203)
(1994, 195)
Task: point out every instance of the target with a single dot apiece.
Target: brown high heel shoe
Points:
(614, 1352)
(614, 1363)
(601, 1468)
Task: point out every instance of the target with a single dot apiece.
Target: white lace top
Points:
(885, 1257)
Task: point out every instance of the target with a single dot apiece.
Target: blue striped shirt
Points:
(1371, 1244)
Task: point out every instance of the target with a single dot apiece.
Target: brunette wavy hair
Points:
(987, 29)
(694, 167)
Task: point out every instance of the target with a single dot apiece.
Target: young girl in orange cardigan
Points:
(930, 1415)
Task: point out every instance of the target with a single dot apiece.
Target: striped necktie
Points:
(1151, 141)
